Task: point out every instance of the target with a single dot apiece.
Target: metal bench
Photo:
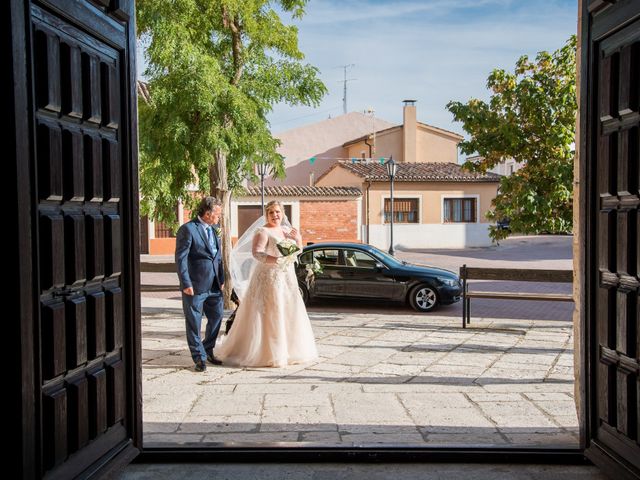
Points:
(514, 275)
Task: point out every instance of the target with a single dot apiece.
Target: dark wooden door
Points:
(247, 214)
(610, 121)
(144, 235)
(77, 234)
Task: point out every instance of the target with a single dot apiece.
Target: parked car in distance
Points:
(504, 224)
(363, 272)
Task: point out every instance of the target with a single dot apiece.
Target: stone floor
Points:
(359, 471)
(383, 377)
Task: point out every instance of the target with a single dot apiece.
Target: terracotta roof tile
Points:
(302, 191)
(418, 172)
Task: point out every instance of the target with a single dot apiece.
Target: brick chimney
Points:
(409, 132)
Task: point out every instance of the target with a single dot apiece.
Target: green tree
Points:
(531, 118)
(215, 68)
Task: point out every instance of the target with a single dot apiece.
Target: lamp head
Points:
(391, 166)
(262, 169)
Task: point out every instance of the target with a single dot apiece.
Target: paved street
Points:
(386, 375)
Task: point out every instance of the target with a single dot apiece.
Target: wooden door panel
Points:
(116, 388)
(47, 70)
(55, 427)
(113, 246)
(78, 416)
(115, 332)
(76, 320)
(54, 356)
(73, 164)
(616, 315)
(95, 246)
(97, 402)
(92, 111)
(111, 161)
(51, 251)
(82, 177)
(612, 51)
(93, 166)
(70, 69)
(50, 170)
(75, 249)
(96, 333)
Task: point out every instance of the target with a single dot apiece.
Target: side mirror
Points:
(379, 266)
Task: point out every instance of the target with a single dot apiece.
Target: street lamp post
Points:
(391, 171)
(262, 171)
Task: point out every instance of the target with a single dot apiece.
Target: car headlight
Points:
(449, 281)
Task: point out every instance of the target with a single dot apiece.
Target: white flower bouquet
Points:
(314, 268)
(289, 250)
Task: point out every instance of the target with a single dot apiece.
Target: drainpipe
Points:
(367, 202)
(366, 142)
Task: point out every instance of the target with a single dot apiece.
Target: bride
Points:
(271, 327)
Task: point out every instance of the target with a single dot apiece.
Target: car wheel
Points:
(304, 293)
(423, 298)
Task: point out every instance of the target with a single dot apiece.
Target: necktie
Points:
(212, 244)
(210, 236)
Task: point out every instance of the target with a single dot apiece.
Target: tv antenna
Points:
(344, 82)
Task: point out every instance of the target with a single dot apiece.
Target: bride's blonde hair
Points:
(272, 204)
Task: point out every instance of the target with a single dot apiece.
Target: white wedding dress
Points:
(271, 328)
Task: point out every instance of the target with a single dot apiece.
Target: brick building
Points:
(321, 213)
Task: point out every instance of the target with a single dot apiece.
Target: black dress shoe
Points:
(200, 366)
(214, 360)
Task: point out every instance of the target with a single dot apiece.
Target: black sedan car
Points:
(359, 271)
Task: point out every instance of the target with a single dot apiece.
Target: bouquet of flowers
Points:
(313, 268)
(288, 248)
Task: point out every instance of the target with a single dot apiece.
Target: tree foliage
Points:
(215, 68)
(531, 118)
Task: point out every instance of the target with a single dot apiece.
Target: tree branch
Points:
(233, 24)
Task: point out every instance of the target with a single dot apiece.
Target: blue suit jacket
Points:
(197, 266)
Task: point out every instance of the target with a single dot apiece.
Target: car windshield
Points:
(386, 258)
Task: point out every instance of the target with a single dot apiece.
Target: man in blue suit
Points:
(201, 274)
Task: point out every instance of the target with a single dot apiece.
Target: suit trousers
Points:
(211, 304)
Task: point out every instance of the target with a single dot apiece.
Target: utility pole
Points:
(344, 91)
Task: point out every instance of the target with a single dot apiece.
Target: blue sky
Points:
(432, 51)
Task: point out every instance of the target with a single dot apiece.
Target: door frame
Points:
(23, 219)
(583, 322)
